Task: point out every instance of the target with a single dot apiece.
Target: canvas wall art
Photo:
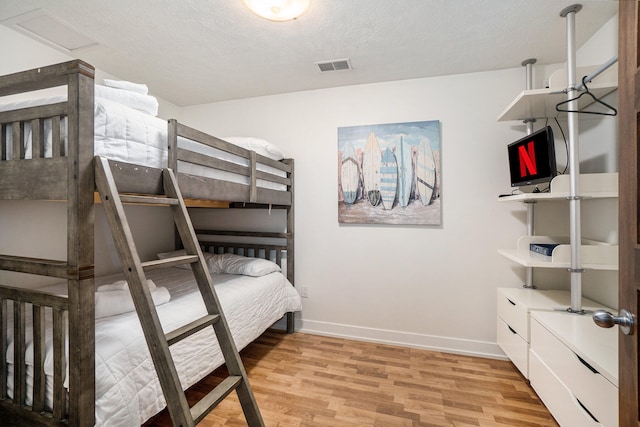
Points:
(390, 174)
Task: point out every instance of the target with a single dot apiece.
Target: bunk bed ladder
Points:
(157, 341)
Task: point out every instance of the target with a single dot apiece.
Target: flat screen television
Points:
(532, 159)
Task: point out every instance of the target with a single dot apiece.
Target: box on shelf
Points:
(545, 249)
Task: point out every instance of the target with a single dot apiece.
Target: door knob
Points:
(626, 320)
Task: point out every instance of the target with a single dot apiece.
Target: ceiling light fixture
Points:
(278, 10)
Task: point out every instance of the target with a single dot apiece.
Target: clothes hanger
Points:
(612, 111)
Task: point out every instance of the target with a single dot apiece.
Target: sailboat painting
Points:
(390, 174)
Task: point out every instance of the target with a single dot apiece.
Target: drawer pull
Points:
(587, 411)
(512, 330)
(584, 362)
(511, 302)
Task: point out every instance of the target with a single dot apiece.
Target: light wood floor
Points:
(309, 380)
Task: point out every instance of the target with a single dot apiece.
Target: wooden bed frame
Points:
(70, 176)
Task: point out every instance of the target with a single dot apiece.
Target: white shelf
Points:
(541, 103)
(594, 255)
(594, 185)
(546, 300)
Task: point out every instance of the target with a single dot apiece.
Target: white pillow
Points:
(260, 146)
(237, 264)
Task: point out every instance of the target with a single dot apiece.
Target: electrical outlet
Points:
(304, 292)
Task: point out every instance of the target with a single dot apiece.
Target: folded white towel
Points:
(122, 285)
(145, 103)
(112, 303)
(125, 85)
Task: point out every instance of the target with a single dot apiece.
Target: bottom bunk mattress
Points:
(127, 388)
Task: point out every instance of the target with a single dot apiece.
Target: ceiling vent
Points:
(48, 29)
(334, 65)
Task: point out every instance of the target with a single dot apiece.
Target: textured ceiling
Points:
(199, 51)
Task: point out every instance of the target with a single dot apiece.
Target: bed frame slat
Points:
(246, 249)
(43, 77)
(259, 234)
(211, 141)
(48, 179)
(57, 149)
(19, 347)
(38, 112)
(3, 142)
(247, 171)
(211, 162)
(266, 176)
(20, 299)
(253, 183)
(17, 150)
(45, 267)
(59, 365)
(3, 340)
(33, 296)
(37, 138)
(206, 188)
(39, 339)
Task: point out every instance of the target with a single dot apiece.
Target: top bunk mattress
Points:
(129, 135)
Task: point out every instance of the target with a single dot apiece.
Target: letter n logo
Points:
(527, 160)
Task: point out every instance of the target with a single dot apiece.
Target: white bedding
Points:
(127, 388)
(129, 135)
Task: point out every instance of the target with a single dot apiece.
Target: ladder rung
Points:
(191, 328)
(215, 396)
(150, 200)
(169, 262)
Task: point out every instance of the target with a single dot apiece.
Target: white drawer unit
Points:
(513, 345)
(514, 306)
(558, 399)
(573, 366)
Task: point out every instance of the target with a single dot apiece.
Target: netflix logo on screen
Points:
(532, 159)
(527, 156)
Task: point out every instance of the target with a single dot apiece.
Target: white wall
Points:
(430, 286)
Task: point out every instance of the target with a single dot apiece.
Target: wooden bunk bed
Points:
(67, 174)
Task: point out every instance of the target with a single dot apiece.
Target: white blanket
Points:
(128, 135)
(127, 389)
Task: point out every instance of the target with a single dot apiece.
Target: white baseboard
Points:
(406, 339)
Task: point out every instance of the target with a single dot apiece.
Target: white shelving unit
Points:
(593, 186)
(595, 255)
(560, 349)
(541, 103)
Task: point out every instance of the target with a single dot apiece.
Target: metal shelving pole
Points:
(528, 64)
(575, 236)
